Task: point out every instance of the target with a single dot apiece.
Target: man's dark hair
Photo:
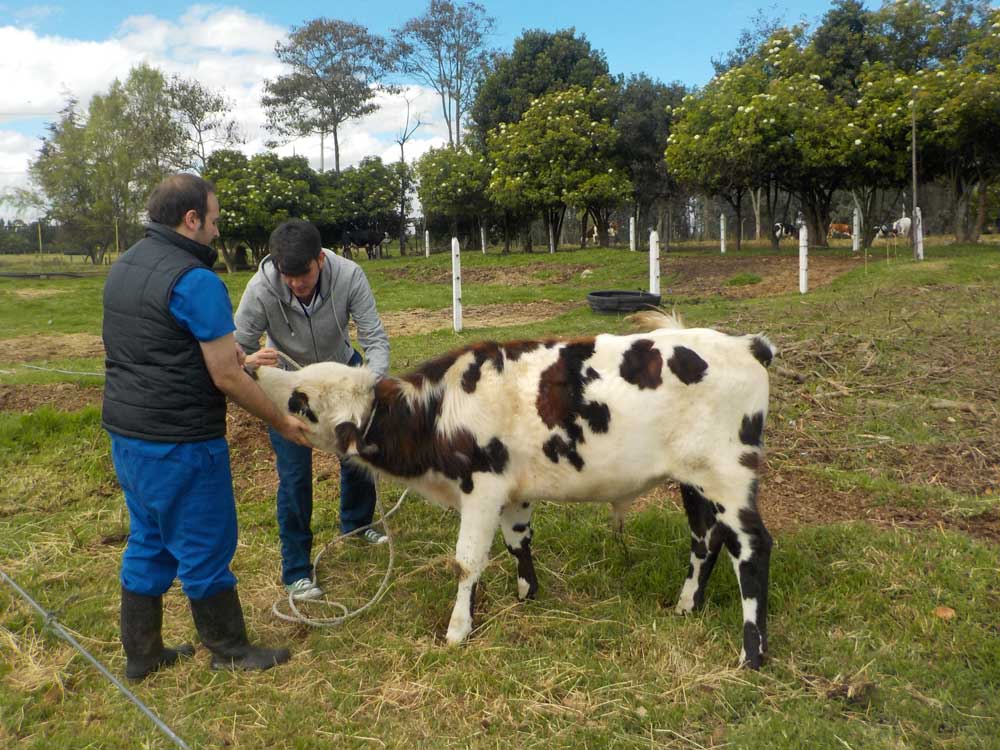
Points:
(175, 196)
(294, 245)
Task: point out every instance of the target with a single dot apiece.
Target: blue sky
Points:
(49, 49)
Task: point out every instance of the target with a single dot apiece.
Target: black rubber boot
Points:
(141, 620)
(219, 620)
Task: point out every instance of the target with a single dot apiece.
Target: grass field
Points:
(881, 491)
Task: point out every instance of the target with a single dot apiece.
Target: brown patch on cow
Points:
(483, 352)
(750, 460)
(433, 370)
(687, 365)
(298, 403)
(514, 349)
(642, 365)
(554, 397)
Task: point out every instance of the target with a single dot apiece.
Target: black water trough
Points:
(615, 301)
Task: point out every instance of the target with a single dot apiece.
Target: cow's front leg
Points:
(480, 516)
(515, 523)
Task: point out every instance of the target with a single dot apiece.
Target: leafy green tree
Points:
(451, 183)
(541, 62)
(560, 154)
(643, 119)
(97, 170)
(255, 195)
(337, 67)
(445, 49)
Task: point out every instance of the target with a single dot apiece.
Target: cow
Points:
(784, 229)
(366, 238)
(837, 230)
(902, 226)
(492, 428)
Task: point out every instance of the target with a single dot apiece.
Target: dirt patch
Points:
(706, 275)
(54, 346)
(532, 274)
(60, 396)
(36, 293)
(410, 322)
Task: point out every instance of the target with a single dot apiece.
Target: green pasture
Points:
(883, 480)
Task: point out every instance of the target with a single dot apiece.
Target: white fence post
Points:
(482, 237)
(456, 285)
(803, 259)
(722, 233)
(427, 243)
(654, 263)
(856, 236)
(631, 233)
(552, 238)
(918, 234)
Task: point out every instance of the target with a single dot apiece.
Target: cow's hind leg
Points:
(515, 523)
(706, 541)
(480, 516)
(749, 547)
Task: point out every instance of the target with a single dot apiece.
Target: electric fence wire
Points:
(50, 621)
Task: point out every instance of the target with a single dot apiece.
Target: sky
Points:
(51, 50)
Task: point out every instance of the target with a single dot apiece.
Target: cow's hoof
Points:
(458, 631)
(525, 590)
(685, 605)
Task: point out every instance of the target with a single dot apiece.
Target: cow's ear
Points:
(298, 403)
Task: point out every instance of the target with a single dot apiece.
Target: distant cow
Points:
(490, 429)
(902, 226)
(784, 229)
(837, 230)
(369, 239)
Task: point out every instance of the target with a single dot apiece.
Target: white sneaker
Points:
(373, 536)
(304, 589)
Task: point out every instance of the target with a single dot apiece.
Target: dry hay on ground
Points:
(50, 347)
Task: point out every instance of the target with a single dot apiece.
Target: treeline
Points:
(543, 137)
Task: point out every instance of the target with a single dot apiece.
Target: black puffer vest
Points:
(157, 386)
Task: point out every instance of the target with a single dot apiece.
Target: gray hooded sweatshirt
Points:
(268, 306)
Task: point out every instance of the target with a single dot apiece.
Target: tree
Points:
(336, 69)
(255, 195)
(445, 48)
(404, 173)
(560, 154)
(96, 170)
(451, 183)
(204, 116)
(643, 120)
(540, 63)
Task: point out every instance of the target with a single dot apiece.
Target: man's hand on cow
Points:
(294, 429)
(266, 357)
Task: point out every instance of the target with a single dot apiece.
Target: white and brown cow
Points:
(492, 428)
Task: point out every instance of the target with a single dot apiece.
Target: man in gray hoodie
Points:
(302, 298)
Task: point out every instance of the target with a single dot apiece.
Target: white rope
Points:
(347, 614)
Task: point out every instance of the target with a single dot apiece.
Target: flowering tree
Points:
(560, 154)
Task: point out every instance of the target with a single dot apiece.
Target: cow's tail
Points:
(654, 320)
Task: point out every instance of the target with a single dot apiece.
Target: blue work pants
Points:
(182, 515)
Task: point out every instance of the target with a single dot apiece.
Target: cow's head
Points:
(323, 396)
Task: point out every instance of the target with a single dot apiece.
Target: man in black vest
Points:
(171, 360)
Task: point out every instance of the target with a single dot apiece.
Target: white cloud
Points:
(225, 48)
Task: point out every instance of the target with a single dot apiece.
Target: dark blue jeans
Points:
(295, 501)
